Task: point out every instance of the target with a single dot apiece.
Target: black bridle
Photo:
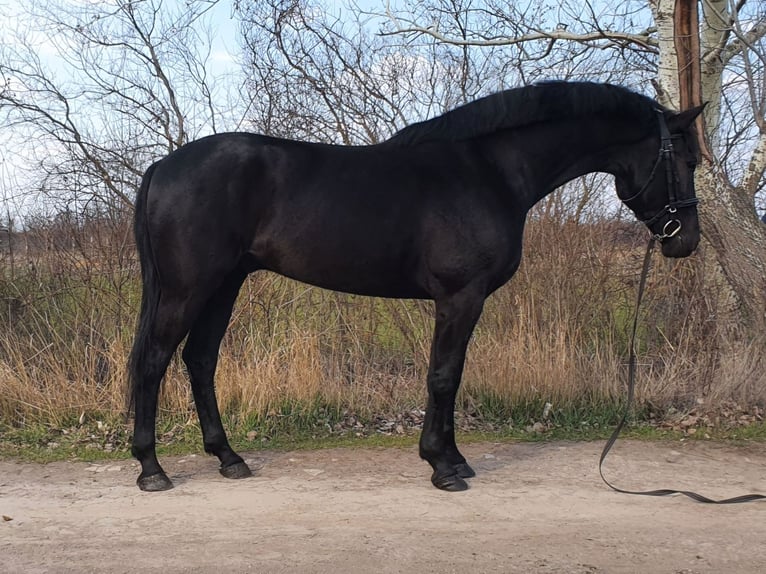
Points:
(666, 156)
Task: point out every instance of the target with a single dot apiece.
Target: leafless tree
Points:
(321, 72)
(100, 90)
(652, 40)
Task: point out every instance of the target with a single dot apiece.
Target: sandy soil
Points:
(532, 508)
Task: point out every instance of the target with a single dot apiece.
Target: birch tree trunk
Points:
(733, 234)
(667, 86)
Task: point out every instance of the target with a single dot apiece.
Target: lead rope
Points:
(631, 391)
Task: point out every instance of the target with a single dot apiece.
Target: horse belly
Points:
(356, 258)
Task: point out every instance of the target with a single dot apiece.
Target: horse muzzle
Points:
(681, 243)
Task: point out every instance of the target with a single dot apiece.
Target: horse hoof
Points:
(154, 482)
(236, 470)
(449, 482)
(464, 470)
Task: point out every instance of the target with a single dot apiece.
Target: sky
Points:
(20, 151)
(221, 19)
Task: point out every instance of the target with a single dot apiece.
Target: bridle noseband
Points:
(666, 156)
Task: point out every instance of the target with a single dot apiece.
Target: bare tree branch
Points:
(136, 86)
(644, 40)
(722, 19)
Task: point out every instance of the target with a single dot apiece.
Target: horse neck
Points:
(538, 159)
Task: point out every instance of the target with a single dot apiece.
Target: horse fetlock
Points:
(144, 453)
(217, 447)
(431, 450)
(464, 470)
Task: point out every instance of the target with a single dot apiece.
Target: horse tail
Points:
(150, 289)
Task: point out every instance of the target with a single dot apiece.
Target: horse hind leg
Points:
(200, 355)
(151, 355)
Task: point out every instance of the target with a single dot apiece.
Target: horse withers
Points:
(436, 212)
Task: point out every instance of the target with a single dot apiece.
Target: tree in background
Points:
(719, 59)
(92, 93)
(320, 72)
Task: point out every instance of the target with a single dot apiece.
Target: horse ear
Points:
(679, 122)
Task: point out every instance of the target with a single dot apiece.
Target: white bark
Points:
(736, 238)
(755, 169)
(715, 30)
(668, 90)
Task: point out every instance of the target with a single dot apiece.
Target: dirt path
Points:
(532, 508)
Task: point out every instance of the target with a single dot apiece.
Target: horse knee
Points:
(443, 385)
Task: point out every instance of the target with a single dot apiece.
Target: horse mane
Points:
(519, 107)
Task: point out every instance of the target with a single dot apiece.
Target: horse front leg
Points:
(456, 317)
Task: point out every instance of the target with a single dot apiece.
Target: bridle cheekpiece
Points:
(667, 157)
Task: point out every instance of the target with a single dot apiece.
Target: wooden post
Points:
(686, 34)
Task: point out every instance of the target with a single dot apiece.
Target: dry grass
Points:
(557, 333)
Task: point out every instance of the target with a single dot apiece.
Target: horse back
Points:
(372, 220)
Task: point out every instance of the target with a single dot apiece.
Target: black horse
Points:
(436, 212)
